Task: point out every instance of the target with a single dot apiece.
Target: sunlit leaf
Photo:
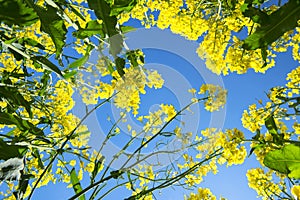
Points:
(92, 28)
(35, 153)
(127, 29)
(279, 22)
(285, 160)
(76, 184)
(120, 6)
(81, 61)
(102, 11)
(270, 125)
(53, 24)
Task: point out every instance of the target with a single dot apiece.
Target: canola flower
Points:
(221, 48)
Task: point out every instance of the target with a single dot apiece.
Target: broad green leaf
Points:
(52, 24)
(120, 65)
(272, 128)
(285, 160)
(120, 6)
(257, 15)
(91, 28)
(47, 64)
(281, 21)
(102, 11)
(11, 151)
(76, 184)
(81, 61)
(10, 41)
(17, 12)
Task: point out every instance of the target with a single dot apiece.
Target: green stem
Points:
(59, 151)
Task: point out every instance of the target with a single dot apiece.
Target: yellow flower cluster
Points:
(296, 191)
(262, 183)
(216, 97)
(293, 79)
(127, 88)
(192, 19)
(214, 141)
(203, 194)
(254, 119)
(295, 44)
(154, 120)
(229, 141)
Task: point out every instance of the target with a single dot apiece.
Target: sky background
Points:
(166, 57)
(175, 58)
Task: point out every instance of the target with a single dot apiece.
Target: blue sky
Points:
(175, 58)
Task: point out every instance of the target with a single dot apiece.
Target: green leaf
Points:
(102, 11)
(47, 64)
(70, 6)
(285, 160)
(120, 65)
(281, 21)
(127, 29)
(16, 12)
(76, 184)
(31, 42)
(23, 184)
(15, 97)
(244, 7)
(52, 24)
(116, 174)
(134, 57)
(11, 151)
(44, 80)
(35, 153)
(270, 125)
(82, 60)
(91, 28)
(257, 15)
(120, 6)
(98, 164)
(70, 74)
(23, 125)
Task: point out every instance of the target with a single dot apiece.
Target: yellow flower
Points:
(295, 190)
(216, 96)
(203, 194)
